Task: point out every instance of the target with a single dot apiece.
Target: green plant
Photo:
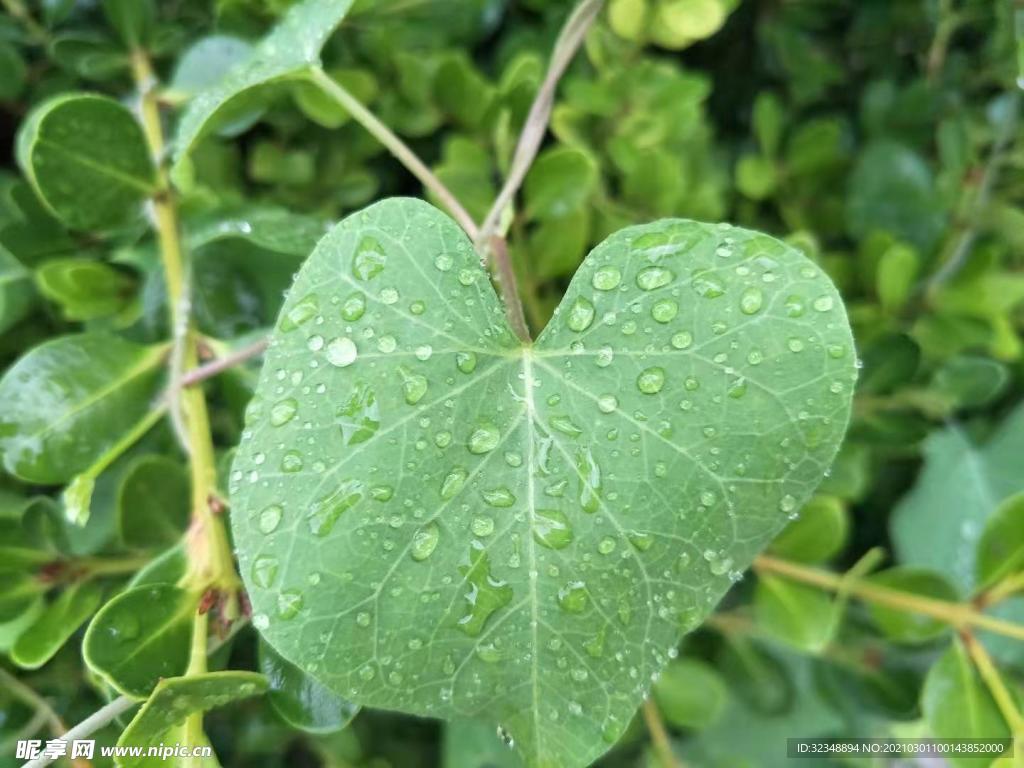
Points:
(432, 513)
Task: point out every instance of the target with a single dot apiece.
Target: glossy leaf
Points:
(287, 53)
(938, 524)
(15, 290)
(553, 517)
(803, 616)
(174, 699)
(971, 381)
(70, 400)
(55, 625)
(300, 700)
(906, 626)
(559, 182)
(207, 61)
(1001, 547)
(84, 289)
(957, 705)
(141, 636)
(819, 533)
(690, 694)
(153, 504)
(473, 744)
(87, 159)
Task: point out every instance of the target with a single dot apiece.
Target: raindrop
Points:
(751, 301)
(424, 542)
(483, 439)
(651, 380)
(270, 518)
(581, 315)
(651, 278)
(341, 352)
(551, 529)
(606, 278)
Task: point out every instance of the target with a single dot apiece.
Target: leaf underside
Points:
(434, 519)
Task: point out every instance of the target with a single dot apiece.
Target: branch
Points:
(396, 147)
(659, 736)
(958, 615)
(221, 364)
(968, 236)
(569, 40)
(98, 719)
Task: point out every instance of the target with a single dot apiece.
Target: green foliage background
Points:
(881, 138)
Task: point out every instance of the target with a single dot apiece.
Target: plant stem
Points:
(98, 719)
(110, 566)
(569, 40)
(21, 691)
(1001, 590)
(958, 615)
(969, 234)
(221, 364)
(506, 279)
(396, 147)
(659, 736)
(994, 682)
(18, 11)
(210, 560)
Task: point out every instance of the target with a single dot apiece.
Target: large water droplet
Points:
(551, 529)
(485, 595)
(323, 514)
(465, 361)
(665, 310)
(581, 315)
(651, 380)
(354, 307)
(414, 386)
(341, 352)
(751, 300)
(573, 597)
(499, 497)
(283, 411)
(606, 278)
(453, 482)
(651, 278)
(369, 259)
(483, 439)
(424, 542)
(270, 518)
(302, 311)
(264, 571)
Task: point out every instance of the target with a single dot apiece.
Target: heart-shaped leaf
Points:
(434, 518)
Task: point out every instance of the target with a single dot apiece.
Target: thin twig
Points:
(958, 615)
(221, 364)
(659, 736)
(994, 682)
(506, 279)
(569, 41)
(396, 147)
(98, 719)
(965, 243)
(34, 700)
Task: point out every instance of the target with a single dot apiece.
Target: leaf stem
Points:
(210, 560)
(969, 233)
(659, 736)
(959, 615)
(569, 41)
(506, 280)
(994, 681)
(224, 363)
(396, 147)
(21, 691)
(98, 719)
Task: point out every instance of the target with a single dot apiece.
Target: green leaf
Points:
(906, 626)
(55, 625)
(153, 504)
(300, 700)
(70, 400)
(769, 118)
(174, 699)
(412, 478)
(938, 524)
(13, 72)
(797, 614)
(970, 381)
(288, 53)
(141, 636)
(166, 568)
(956, 703)
(1001, 547)
(897, 271)
(818, 534)
(87, 159)
(691, 694)
(559, 182)
(755, 176)
(84, 288)
(132, 19)
(892, 190)
(15, 290)
(473, 744)
(207, 61)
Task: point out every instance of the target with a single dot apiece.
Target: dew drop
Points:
(751, 301)
(341, 352)
(270, 518)
(283, 411)
(606, 278)
(551, 529)
(581, 315)
(651, 380)
(424, 542)
(483, 439)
